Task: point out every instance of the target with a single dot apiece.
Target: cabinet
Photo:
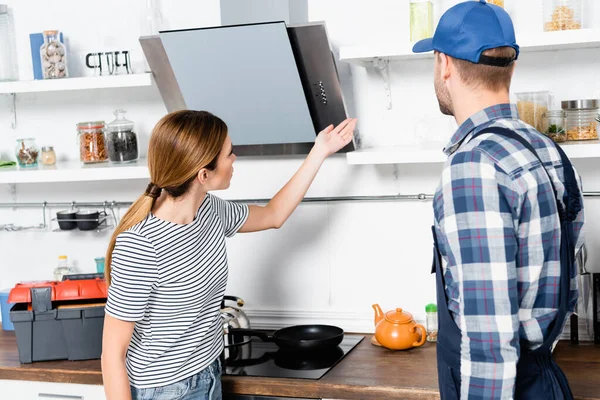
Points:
(27, 390)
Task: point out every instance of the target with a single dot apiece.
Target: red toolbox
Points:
(59, 320)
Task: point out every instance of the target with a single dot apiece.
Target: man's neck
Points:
(469, 103)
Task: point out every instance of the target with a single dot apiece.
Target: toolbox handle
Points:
(82, 277)
(41, 299)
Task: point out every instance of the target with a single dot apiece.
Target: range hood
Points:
(275, 86)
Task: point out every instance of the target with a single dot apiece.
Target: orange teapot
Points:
(397, 330)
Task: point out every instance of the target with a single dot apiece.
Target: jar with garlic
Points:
(53, 55)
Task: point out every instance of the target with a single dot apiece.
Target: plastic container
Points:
(99, 264)
(556, 126)
(421, 19)
(8, 64)
(563, 15)
(59, 320)
(62, 268)
(27, 153)
(5, 306)
(121, 139)
(582, 119)
(533, 106)
(53, 54)
(92, 143)
(431, 322)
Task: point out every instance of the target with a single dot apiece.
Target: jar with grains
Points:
(53, 55)
(92, 143)
(533, 106)
(582, 123)
(563, 15)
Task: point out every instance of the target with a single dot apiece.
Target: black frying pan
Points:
(300, 337)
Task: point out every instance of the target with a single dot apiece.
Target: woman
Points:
(167, 262)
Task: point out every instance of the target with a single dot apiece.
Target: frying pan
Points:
(300, 337)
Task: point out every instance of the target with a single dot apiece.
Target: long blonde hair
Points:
(182, 143)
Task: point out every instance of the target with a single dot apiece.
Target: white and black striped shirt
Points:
(170, 279)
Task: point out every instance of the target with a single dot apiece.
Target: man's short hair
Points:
(487, 76)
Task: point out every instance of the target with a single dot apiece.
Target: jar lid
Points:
(90, 125)
(398, 316)
(51, 32)
(24, 139)
(47, 148)
(431, 308)
(120, 123)
(555, 113)
(580, 104)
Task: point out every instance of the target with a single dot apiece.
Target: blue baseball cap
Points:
(466, 30)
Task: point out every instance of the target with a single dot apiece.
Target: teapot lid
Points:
(398, 316)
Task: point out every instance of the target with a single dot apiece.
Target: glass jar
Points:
(563, 15)
(555, 126)
(121, 139)
(533, 106)
(26, 153)
(92, 144)
(8, 64)
(582, 117)
(421, 19)
(431, 322)
(53, 55)
(48, 155)
(62, 268)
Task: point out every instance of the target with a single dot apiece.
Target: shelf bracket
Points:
(382, 65)
(13, 109)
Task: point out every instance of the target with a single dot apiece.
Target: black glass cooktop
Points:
(259, 358)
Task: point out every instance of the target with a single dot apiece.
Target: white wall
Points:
(330, 262)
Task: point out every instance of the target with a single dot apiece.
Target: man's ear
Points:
(203, 176)
(446, 67)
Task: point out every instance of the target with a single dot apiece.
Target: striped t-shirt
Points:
(170, 279)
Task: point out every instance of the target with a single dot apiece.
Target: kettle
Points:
(234, 317)
(397, 330)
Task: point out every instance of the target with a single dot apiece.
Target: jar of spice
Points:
(122, 140)
(581, 119)
(92, 144)
(421, 19)
(53, 55)
(555, 126)
(48, 155)
(27, 153)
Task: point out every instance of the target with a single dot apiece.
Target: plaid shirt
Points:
(499, 233)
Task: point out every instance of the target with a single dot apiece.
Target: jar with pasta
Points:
(563, 15)
(92, 143)
(532, 108)
(582, 123)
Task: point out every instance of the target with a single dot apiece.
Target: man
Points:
(510, 282)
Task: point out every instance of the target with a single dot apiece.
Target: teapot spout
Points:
(378, 313)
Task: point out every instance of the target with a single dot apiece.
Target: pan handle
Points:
(265, 337)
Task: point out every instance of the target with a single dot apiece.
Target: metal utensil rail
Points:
(112, 205)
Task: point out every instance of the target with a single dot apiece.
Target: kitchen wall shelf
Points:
(83, 83)
(75, 172)
(420, 155)
(544, 41)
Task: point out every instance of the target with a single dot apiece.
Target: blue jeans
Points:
(205, 385)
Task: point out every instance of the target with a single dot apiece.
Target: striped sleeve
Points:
(134, 273)
(232, 215)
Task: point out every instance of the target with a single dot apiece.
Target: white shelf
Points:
(420, 155)
(93, 82)
(75, 172)
(544, 41)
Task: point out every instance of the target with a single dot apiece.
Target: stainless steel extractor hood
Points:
(275, 86)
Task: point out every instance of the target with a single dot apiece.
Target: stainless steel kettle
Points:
(234, 317)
